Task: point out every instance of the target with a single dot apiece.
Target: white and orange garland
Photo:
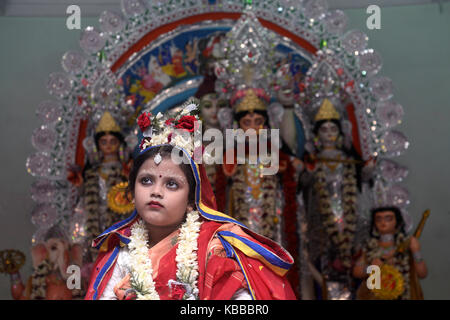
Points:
(187, 263)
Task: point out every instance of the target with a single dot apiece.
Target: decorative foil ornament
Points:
(73, 62)
(336, 21)
(48, 111)
(392, 171)
(39, 236)
(393, 143)
(389, 113)
(111, 22)
(133, 8)
(354, 41)
(43, 191)
(381, 88)
(39, 164)
(58, 84)
(44, 215)
(77, 224)
(369, 62)
(398, 196)
(92, 41)
(315, 9)
(43, 138)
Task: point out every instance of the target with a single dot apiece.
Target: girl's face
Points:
(161, 193)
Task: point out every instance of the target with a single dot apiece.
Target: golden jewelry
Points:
(250, 102)
(392, 283)
(327, 112)
(107, 124)
(118, 200)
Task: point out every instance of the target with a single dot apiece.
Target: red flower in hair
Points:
(144, 121)
(186, 123)
(169, 121)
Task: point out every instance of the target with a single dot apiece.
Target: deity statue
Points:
(397, 254)
(330, 182)
(254, 198)
(51, 260)
(103, 180)
(210, 103)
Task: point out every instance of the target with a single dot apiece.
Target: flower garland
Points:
(343, 241)
(186, 258)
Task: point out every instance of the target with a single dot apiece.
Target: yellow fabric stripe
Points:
(253, 254)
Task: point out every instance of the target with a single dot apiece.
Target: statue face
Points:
(252, 121)
(56, 248)
(385, 222)
(286, 96)
(109, 144)
(209, 106)
(328, 133)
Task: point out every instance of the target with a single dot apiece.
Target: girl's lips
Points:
(155, 204)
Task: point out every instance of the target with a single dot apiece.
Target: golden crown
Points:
(107, 124)
(250, 102)
(327, 112)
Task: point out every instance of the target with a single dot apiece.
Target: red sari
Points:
(230, 256)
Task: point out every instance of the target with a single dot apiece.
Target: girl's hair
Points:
(165, 151)
(399, 225)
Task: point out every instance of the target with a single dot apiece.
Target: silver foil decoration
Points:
(39, 165)
(73, 62)
(111, 22)
(391, 171)
(369, 62)
(92, 41)
(315, 9)
(336, 21)
(133, 8)
(354, 41)
(58, 84)
(48, 111)
(394, 143)
(44, 215)
(398, 196)
(43, 138)
(381, 88)
(43, 191)
(389, 113)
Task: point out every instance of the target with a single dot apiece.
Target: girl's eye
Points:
(207, 105)
(146, 180)
(172, 185)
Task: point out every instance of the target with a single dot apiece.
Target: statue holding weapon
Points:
(398, 256)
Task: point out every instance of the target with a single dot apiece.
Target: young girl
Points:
(176, 245)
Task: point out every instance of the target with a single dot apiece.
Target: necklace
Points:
(186, 257)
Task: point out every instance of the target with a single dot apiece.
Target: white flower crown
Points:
(177, 130)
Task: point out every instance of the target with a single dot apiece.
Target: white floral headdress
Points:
(177, 130)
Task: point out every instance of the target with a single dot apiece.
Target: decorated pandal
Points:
(288, 65)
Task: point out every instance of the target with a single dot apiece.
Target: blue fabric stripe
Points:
(104, 270)
(243, 271)
(228, 247)
(268, 255)
(115, 227)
